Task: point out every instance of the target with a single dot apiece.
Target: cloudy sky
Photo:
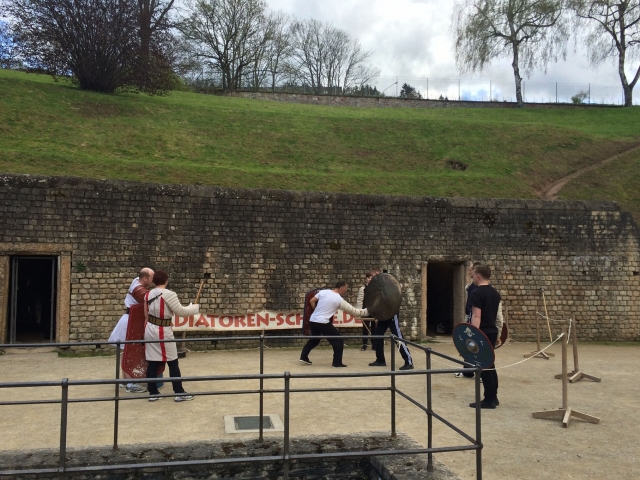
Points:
(411, 39)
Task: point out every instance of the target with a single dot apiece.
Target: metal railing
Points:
(287, 390)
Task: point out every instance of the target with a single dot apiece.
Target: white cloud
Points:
(411, 39)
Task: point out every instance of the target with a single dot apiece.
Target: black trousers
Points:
(367, 329)
(174, 371)
(378, 344)
(490, 377)
(336, 343)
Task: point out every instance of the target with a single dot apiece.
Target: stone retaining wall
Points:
(404, 467)
(393, 102)
(265, 249)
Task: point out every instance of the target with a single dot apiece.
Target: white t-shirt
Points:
(327, 306)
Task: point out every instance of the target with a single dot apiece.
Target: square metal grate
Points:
(251, 423)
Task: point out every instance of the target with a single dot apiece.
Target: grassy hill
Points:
(55, 129)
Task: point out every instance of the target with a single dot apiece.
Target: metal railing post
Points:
(429, 416)
(260, 438)
(393, 387)
(478, 426)
(287, 381)
(63, 427)
(117, 400)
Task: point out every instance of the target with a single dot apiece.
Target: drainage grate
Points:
(251, 423)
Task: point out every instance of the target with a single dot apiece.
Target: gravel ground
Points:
(517, 446)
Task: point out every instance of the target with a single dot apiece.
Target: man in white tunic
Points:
(135, 296)
(325, 304)
(159, 307)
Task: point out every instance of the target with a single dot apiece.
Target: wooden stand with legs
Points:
(576, 374)
(538, 353)
(565, 413)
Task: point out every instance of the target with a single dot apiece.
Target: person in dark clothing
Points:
(467, 310)
(393, 324)
(485, 301)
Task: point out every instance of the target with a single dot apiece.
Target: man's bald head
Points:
(146, 276)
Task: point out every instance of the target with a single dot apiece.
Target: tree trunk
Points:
(516, 74)
(626, 88)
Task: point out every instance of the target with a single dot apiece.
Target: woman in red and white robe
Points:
(160, 305)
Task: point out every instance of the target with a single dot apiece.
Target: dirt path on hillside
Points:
(550, 192)
(516, 446)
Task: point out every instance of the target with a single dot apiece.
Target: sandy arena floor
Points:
(517, 446)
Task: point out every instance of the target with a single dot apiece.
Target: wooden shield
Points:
(383, 296)
(504, 335)
(307, 311)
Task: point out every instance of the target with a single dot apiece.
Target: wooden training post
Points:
(538, 353)
(546, 314)
(566, 412)
(576, 374)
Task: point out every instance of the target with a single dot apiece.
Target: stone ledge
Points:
(406, 467)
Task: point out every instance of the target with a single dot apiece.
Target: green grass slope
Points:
(55, 129)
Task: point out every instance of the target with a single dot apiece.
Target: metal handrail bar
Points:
(439, 417)
(453, 427)
(191, 340)
(266, 376)
(438, 354)
(286, 457)
(197, 394)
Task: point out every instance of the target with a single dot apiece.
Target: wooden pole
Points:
(574, 341)
(565, 382)
(546, 314)
(538, 353)
(577, 374)
(199, 291)
(184, 333)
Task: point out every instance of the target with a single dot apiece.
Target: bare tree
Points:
(325, 56)
(611, 29)
(155, 57)
(530, 32)
(95, 41)
(279, 49)
(309, 52)
(228, 35)
(356, 70)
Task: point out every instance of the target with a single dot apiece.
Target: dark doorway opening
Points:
(440, 301)
(32, 309)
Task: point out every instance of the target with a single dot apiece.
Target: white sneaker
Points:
(183, 397)
(154, 398)
(136, 388)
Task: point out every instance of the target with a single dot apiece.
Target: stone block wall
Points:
(394, 102)
(265, 249)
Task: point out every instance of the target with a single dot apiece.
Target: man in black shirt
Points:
(485, 301)
(467, 308)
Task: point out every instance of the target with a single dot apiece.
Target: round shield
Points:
(383, 296)
(473, 345)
